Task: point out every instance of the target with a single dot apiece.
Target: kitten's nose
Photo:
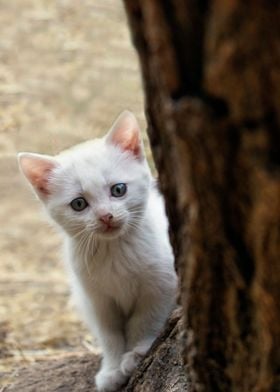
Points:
(107, 218)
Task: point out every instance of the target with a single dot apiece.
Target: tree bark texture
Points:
(211, 73)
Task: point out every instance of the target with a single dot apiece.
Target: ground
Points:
(67, 69)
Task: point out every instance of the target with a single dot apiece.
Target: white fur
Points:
(124, 282)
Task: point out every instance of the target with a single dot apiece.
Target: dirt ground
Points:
(67, 68)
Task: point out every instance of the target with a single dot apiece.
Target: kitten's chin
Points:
(111, 233)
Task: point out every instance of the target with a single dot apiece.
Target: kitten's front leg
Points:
(106, 323)
(109, 324)
(141, 330)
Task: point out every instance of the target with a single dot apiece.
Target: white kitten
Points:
(101, 193)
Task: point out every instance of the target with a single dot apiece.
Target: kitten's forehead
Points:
(94, 163)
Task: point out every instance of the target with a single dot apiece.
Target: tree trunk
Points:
(212, 84)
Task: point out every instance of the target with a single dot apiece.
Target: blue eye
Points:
(118, 190)
(79, 204)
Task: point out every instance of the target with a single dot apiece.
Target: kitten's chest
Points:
(116, 274)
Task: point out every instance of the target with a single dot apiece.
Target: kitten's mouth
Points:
(110, 229)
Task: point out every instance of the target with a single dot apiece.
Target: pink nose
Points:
(107, 218)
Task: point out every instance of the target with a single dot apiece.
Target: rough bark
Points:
(212, 85)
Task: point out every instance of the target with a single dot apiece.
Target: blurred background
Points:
(67, 69)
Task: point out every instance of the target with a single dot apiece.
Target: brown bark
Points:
(212, 85)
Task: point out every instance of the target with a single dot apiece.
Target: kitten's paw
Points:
(129, 361)
(109, 380)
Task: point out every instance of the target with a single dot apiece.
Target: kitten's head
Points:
(98, 188)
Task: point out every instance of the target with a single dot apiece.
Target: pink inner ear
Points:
(37, 171)
(128, 140)
(126, 134)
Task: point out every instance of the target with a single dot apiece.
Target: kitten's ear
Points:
(126, 134)
(37, 169)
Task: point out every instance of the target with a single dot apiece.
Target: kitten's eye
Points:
(118, 190)
(79, 204)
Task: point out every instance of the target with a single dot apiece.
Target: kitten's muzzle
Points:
(106, 219)
(109, 224)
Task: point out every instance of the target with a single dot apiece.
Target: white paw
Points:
(108, 380)
(129, 361)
